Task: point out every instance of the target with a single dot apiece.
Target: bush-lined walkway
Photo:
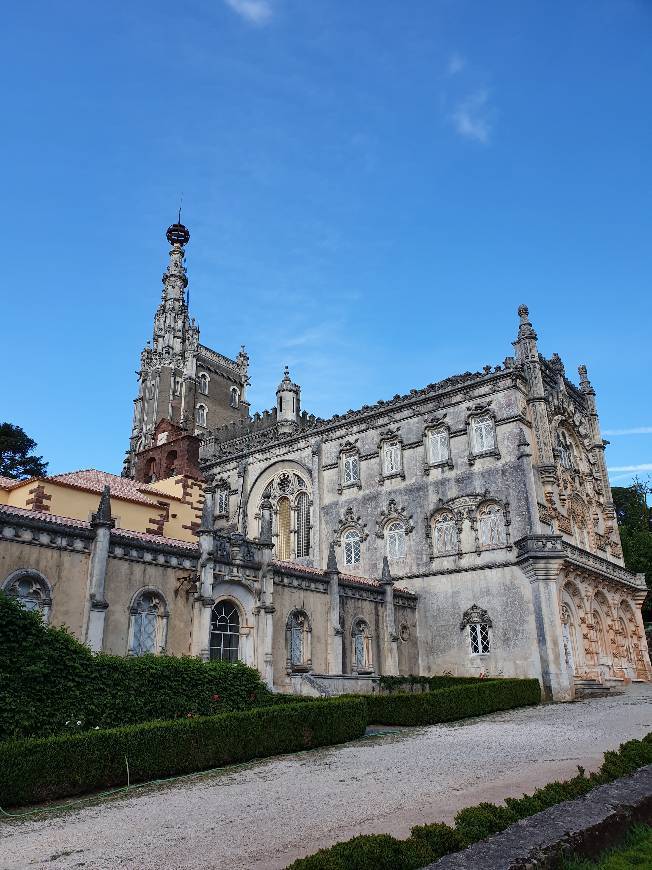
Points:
(267, 814)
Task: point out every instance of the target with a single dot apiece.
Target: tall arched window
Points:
(298, 637)
(171, 463)
(362, 647)
(395, 537)
(31, 590)
(148, 623)
(491, 527)
(200, 415)
(445, 534)
(235, 397)
(150, 470)
(225, 632)
(303, 524)
(352, 547)
(284, 543)
(203, 383)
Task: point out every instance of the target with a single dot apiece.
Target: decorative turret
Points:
(288, 404)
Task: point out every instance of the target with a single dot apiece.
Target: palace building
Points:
(466, 527)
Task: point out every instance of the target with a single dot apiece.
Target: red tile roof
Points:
(308, 569)
(92, 480)
(10, 483)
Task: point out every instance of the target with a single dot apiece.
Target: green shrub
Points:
(40, 769)
(428, 843)
(457, 702)
(407, 684)
(48, 679)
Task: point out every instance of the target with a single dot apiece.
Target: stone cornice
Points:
(597, 564)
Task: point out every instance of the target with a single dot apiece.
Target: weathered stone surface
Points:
(586, 825)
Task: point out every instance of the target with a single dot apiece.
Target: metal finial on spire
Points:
(177, 234)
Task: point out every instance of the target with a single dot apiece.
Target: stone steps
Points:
(591, 689)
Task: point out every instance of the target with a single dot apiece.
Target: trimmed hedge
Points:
(474, 698)
(36, 770)
(49, 682)
(428, 843)
(407, 684)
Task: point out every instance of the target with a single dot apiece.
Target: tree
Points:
(634, 518)
(15, 447)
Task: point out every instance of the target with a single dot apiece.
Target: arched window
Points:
(600, 633)
(203, 383)
(483, 434)
(479, 624)
(362, 647)
(303, 525)
(235, 397)
(150, 470)
(171, 463)
(351, 542)
(438, 446)
(298, 636)
(395, 537)
(148, 623)
(200, 415)
(491, 527)
(225, 632)
(445, 534)
(31, 590)
(284, 548)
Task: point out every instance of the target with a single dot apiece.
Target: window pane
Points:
(225, 632)
(392, 458)
(475, 640)
(303, 525)
(351, 548)
(438, 446)
(284, 551)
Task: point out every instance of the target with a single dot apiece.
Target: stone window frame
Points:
(431, 523)
(237, 607)
(162, 621)
(348, 450)
(503, 510)
(388, 437)
(272, 493)
(203, 383)
(393, 514)
(475, 414)
(434, 426)
(45, 587)
(234, 397)
(367, 646)
(305, 665)
(201, 415)
(480, 633)
(350, 538)
(350, 523)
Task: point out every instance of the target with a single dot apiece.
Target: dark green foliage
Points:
(48, 679)
(428, 843)
(474, 698)
(635, 527)
(15, 447)
(407, 684)
(36, 770)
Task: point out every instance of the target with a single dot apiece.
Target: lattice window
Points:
(222, 502)
(148, 615)
(31, 592)
(483, 434)
(225, 632)
(352, 547)
(445, 534)
(303, 524)
(203, 383)
(491, 527)
(479, 638)
(351, 468)
(200, 415)
(438, 446)
(283, 511)
(391, 457)
(395, 537)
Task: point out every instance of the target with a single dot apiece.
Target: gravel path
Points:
(265, 814)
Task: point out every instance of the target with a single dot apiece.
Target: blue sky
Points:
(372, 188)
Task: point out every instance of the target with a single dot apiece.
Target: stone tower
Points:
(181, 380)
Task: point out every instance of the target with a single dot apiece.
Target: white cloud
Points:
(471, 118)
(631, 469)
(254, 11)
(636, 430)
(456, 64)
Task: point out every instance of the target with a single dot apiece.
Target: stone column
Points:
(390, 639)
(334, 629)
(540, 557)
(204, 600)
(96, 605)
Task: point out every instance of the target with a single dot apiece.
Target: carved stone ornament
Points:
(393, 512)
(475, 616)
(350, 521)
